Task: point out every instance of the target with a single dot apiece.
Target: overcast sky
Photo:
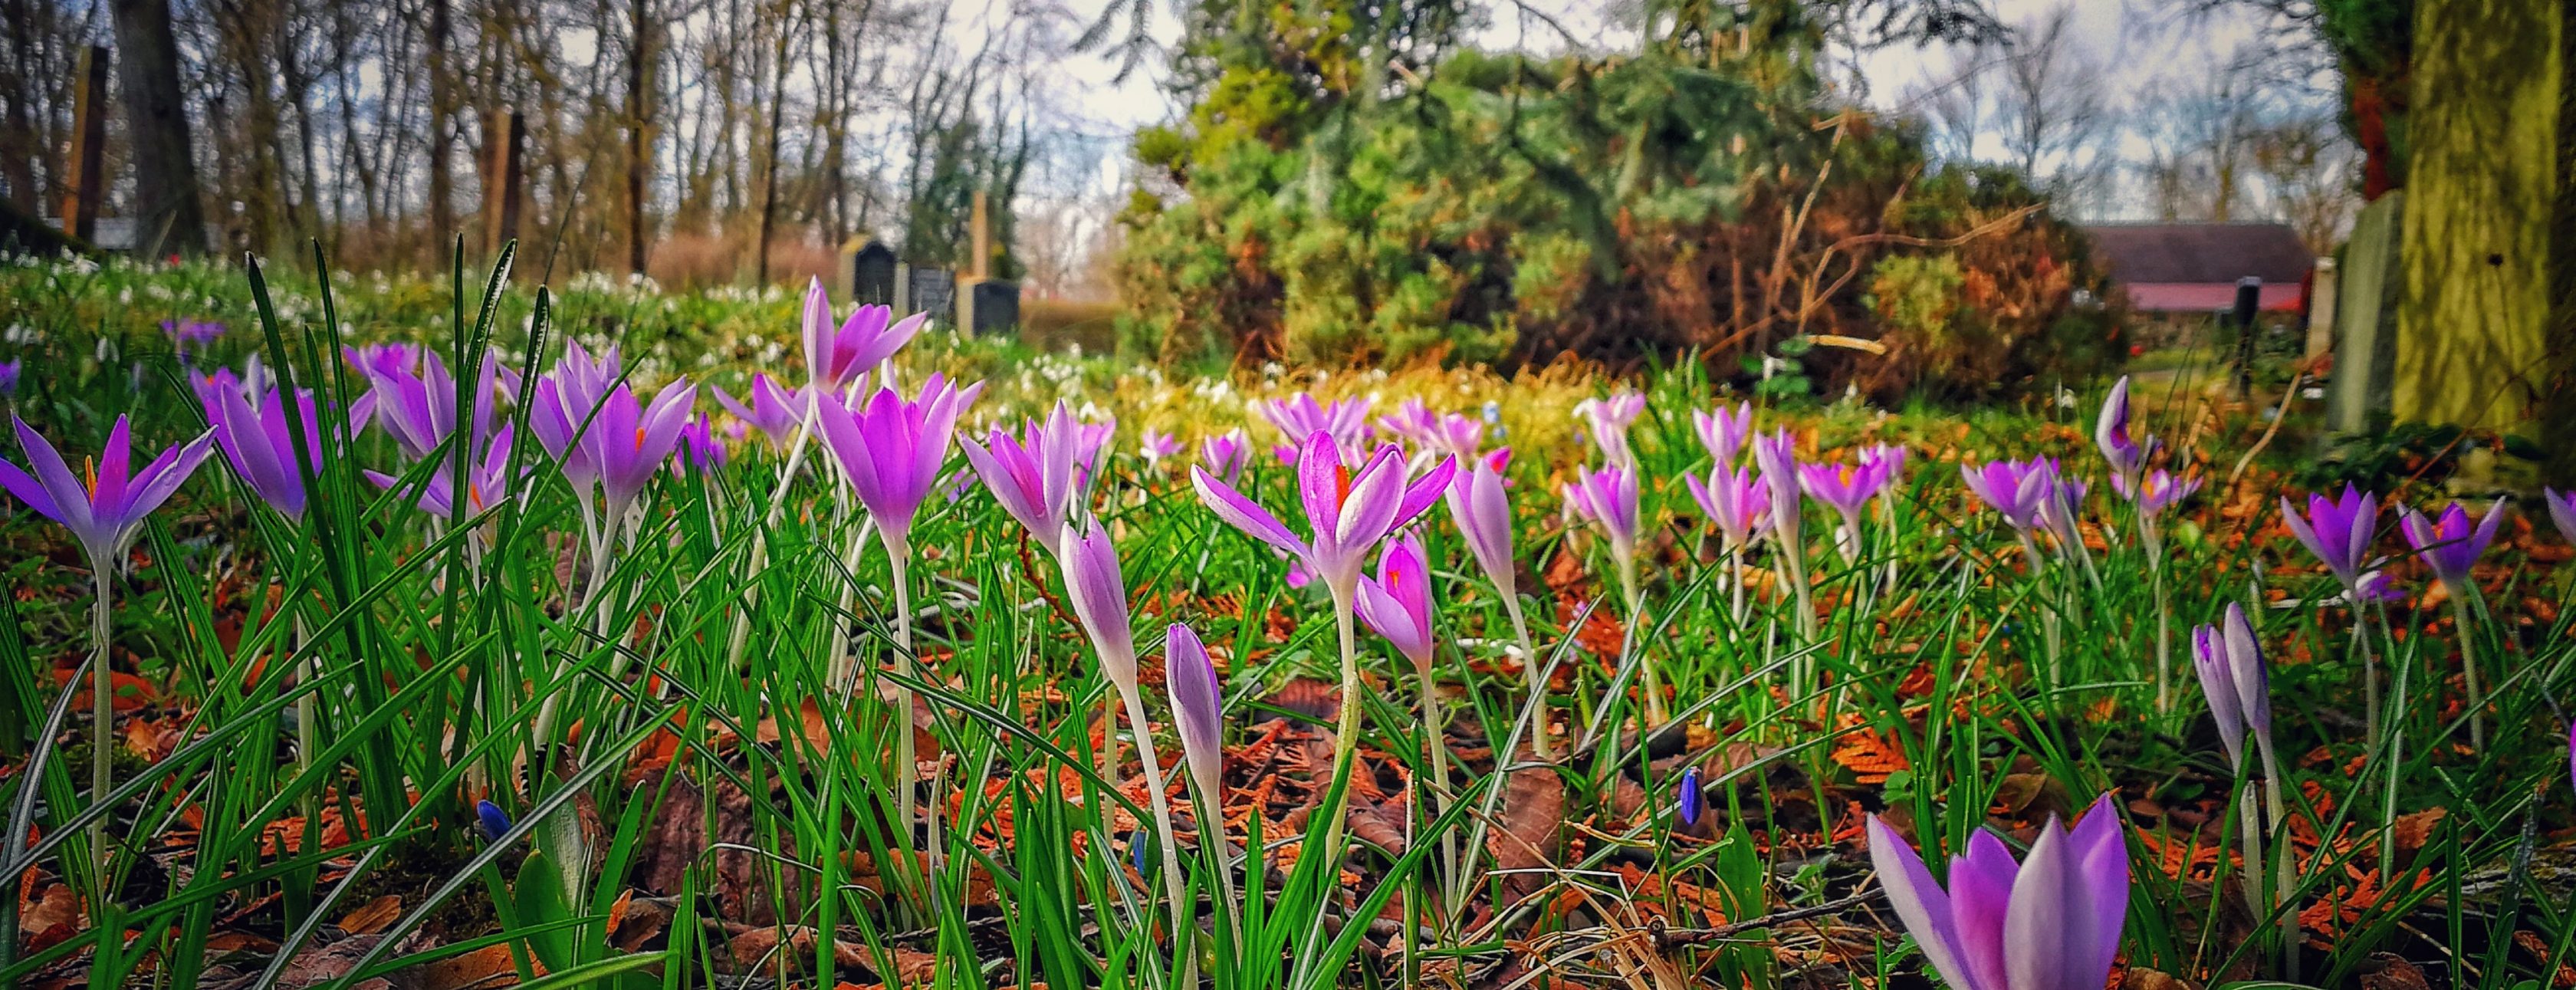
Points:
(2137, 41)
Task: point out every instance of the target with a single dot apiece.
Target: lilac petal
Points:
(2209, 650)
(2248, 672)
(1386, 614)
(2101, 856)
(1981, 889)
(1919, 902)
(108, 497)
(1244, 514)
(1369, 510)
(2042, 927)
(1425, 490)
(70, 498)
(1322, 485)
(162, 478)
(30, 491)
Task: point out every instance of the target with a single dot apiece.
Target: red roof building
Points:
(2193, 267)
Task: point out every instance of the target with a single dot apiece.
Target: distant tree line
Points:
(367, 124)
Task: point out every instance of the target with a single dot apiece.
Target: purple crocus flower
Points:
(2562, 511)
(865, 340)
(1736, 502)
(2062, 511)
(258, 442)
(2051, 922)
(1224, 455)
(1607, 421)
(9, 370)
(1607, 499)
(2451, 545)
(2156, 491)
(1478, 504)
(1157, 445)
(104, 507)
(2127, 457)
(891, 449)
(1032, 475)
(1299, 416)
(1091, 439)
(1846, 489)
(2016, 490)
(1689, 801)
(1887, 459)
(187, 335)
(1397, 603)
(773, 409)
(417, 407)
(1723, 431)
(486, 485)
(569, 417)
(1435, 432)
(386, 358)
(629, 439)
(1347, 512)
(1198, 712)
(2338, 532)
(1776, 453)
(2237, 683)
(699, 450)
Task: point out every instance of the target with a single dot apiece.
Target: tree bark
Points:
(168, 216)
(639, 133)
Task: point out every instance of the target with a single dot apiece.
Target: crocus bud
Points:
(1099, 597)
(2233, 676)
(1478, 505)
(1397, 603)
(1690, 797)
(1198, 710)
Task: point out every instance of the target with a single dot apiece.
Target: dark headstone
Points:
(989, 305)
(871, 269)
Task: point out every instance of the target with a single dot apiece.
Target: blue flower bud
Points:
(495, 822)
(1690, 797)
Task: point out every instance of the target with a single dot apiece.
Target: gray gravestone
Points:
(2365, 361)
(871, 268)
(926, 290)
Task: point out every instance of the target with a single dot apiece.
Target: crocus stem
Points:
(2396, 766)
(1629, 646)
(1433, 717)
(1537, 673)
(906, 763)
(1346, 735)
(2047, 617)
(1182, 948)
(1735, 578)
(2164, 614)
(102, 732)
(2369, 668)
(2248, 823)
(2469, 669)
(740, 638)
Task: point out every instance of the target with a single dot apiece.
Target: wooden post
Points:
(89, 145)
(983, 265)
(501, 179)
